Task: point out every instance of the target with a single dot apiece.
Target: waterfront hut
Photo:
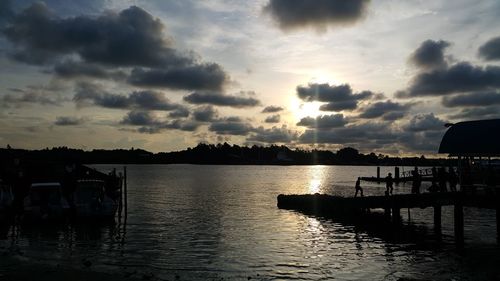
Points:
(476, 144)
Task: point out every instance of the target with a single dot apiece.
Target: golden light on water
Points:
(317, 179)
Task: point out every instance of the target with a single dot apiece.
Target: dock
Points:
(354, 207)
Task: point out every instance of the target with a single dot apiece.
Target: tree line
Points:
(215, 154)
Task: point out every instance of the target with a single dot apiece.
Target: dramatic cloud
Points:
(92, 94)
(388, 110)
(272, 109)
(231, 127)
(22, 98)
(179, 112)
(292, 14)
(73, 69)
(205, 114)
(476, 113)
(491, 49)
(243, 99)
(472, 99)
(323, 121)
(424, 122)
(338, 97)
(150, 124)
(69, 121)
(273, 119)
(130, 38)
(430, 54)
(208, 76)
(273, 135)
(360, 134)
(459, 78)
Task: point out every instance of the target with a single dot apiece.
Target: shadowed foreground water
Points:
(211, 222)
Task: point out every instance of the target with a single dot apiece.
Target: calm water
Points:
(213, 222)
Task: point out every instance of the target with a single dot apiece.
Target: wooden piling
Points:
(125, 201)
(396, 215)
(437, 218)
(459, 222)
(396, 174)
(378, 174)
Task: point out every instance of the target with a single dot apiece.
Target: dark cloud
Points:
(477, 113)
(73, 69)
(69, 121)
(459, 78)
(17, 100)
(140, 118)
(208, 76)
(422, 142)
(6, 12)
(323, 121)
(425, 122)
(230, 128)
(130, 38)
(472, 99)
(430, 54)
(387, 110)
(491, 49)
(273, 119)
(92, 94)
(360, 135)
(272, 109)
(339, 106)
(338, 97)
(292, 14)
(205, 114)
(273, 135)
(241, 100)
(178, 113)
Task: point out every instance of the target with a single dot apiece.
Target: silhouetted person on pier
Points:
(358, 188)
(453, 179)
(416, 182)
(388, 184)
(442, 179)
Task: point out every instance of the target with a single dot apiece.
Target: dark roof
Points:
(472, 138)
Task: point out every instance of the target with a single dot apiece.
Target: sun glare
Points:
(302, 109)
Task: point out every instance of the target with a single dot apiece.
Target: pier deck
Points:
(327, 205)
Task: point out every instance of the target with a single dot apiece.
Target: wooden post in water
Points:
(378, 174)
(459, 222)
(120, 203)
(396, 215)
(396, 174)
(437, 218)
(125, 189)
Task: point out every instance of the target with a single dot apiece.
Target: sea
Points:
(204, 222)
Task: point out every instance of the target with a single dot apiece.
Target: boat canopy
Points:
(472, 138)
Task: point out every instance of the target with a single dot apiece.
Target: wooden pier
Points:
(334, 206)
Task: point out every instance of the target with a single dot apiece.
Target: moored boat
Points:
(45, 202)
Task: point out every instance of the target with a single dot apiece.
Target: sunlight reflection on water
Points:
(208, 222)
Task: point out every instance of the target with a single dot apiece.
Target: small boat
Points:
(45, 202)
(91, 201)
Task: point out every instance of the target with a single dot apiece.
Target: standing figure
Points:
(358, 188)
(388, 184)
(416, 182)
(453, 179)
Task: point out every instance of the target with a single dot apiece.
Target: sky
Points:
(381, 76)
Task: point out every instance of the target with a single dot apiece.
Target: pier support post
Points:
(459, 223)
(396, 174)
(396, 215)
(378, 174)
(437, 218)
(498, 221)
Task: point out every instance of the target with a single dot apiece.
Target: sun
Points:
(301, 109)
